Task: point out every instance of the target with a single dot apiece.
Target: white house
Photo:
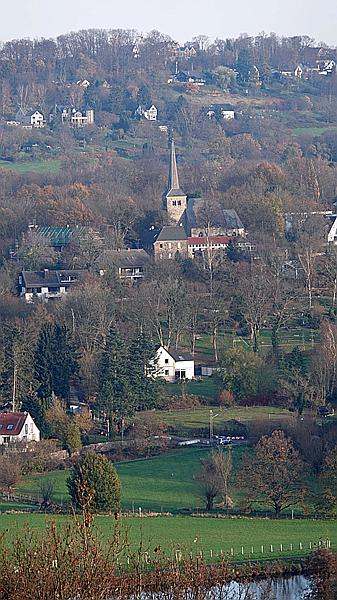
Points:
(174, 364)
(228, 114)
(30, 120)
(332, 234)
(18, 427)
(150, 114)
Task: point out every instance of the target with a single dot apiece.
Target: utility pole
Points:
(211, 424)
(14, 387)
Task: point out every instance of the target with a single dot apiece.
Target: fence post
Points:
(262, 549)
(301, 547)
(252, 549)
(211, 553)
(242, 550)
(291, 547)
(281, 547)
(271, 548)
(232, 552)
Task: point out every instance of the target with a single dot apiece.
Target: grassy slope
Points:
(38, 166)
(199, 417)
(196, 533)
(160, 483)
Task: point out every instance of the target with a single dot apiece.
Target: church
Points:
(194, 225)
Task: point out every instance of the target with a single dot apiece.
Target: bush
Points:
(94, 484)
(225, 398)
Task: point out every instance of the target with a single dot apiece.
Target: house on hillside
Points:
(58, 236)
(18, 427)
(174, 365)
(150, 114)
(332, 233)
(182, 52)
(67, 115)
(187, 77)
(47, 285)
(84, 83)
(130, 264)
(30, 120)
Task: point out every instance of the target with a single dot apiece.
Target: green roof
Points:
(58, 235)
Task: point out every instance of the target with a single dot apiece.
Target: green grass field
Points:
(209, 387)
(191, 419)
(209, 535)
(39, 166)
(288, 339)
(162, 483)
(159, 483)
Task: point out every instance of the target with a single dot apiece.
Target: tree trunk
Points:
(215, 342)
(209, 502)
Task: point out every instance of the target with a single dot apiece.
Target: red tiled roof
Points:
(12, 423)
(212, 239)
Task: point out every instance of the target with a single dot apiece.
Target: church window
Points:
(174, 203)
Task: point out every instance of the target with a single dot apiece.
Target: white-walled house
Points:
(47, 285)
(18, 427)
(332, 234)
(174, 364)
(30, 120)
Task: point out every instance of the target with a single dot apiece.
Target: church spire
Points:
(173, 182)
(175, 201)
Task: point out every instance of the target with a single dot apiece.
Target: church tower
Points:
(175, 201)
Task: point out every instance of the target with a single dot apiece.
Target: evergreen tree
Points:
(245, 65)
(114, 392)
(144, 387)
(65, 364)
(55, 362)
(144, 96)
(43, 362)
(94, 483)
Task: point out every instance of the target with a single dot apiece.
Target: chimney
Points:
(46, 271)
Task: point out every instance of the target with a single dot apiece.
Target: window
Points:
(170, 245)
(174, 203)
(166, 371)
(166, 361)
(26, 428)
(10, 426)
(179, 202)
(170, 255)
(160, 245)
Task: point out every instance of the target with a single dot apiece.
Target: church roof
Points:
(172, 233)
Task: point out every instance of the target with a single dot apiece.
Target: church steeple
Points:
(173, 182)
(175, 198)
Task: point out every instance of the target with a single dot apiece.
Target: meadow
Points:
(241, 538)
(37, 166)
